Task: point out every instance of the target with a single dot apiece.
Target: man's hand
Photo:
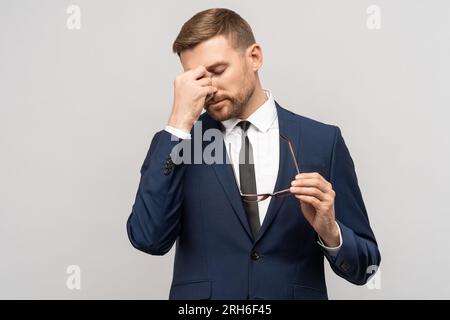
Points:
(190, 91)
(316, 197)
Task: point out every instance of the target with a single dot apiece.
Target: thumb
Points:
(308, 211)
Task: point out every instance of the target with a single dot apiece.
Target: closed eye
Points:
(218, 72)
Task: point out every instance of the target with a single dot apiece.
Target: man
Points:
(258, 225)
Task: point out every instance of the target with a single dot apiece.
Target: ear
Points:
(255, 56)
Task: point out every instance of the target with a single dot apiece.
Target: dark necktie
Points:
(247, 179)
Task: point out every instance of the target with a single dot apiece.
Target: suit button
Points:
(345, 266)
(255, 255)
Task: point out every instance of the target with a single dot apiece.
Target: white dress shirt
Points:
(264, 137)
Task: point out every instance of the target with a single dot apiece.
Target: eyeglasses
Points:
(247, 197)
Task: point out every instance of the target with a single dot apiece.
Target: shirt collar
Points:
(262, 118)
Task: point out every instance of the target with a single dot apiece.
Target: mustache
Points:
(214, 99)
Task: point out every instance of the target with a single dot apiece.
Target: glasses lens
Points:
(282, 193)
(255, 198)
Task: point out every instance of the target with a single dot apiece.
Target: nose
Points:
(213, 80)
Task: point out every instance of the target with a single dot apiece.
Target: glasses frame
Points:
(258, 197)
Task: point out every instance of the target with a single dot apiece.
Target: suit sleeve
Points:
(154, 223)
(358, 256)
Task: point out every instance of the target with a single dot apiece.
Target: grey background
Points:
(79, 109)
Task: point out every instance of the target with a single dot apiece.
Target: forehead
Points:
(207, 53)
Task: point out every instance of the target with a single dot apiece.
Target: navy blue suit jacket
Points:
(198, 206)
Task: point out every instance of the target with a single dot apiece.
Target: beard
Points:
(231, 106)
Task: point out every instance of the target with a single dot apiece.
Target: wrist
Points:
(180, 124)
(331, 238)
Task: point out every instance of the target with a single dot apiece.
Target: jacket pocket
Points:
(300, 292)
(195, 290)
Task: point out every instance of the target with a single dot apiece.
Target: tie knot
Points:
(244, 125)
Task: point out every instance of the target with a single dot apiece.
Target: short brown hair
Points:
(213, 22)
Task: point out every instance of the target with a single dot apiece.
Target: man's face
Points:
(230, 72)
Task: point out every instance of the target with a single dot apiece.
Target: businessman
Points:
(258, 224)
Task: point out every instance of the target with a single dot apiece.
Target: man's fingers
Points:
(306, 182)
(309, 175)
(310, 200)
(198, 72)
(309, 191)
(206, 81)
(312, 182)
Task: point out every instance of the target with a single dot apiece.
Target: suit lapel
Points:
(290, 129)
(226, 177)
